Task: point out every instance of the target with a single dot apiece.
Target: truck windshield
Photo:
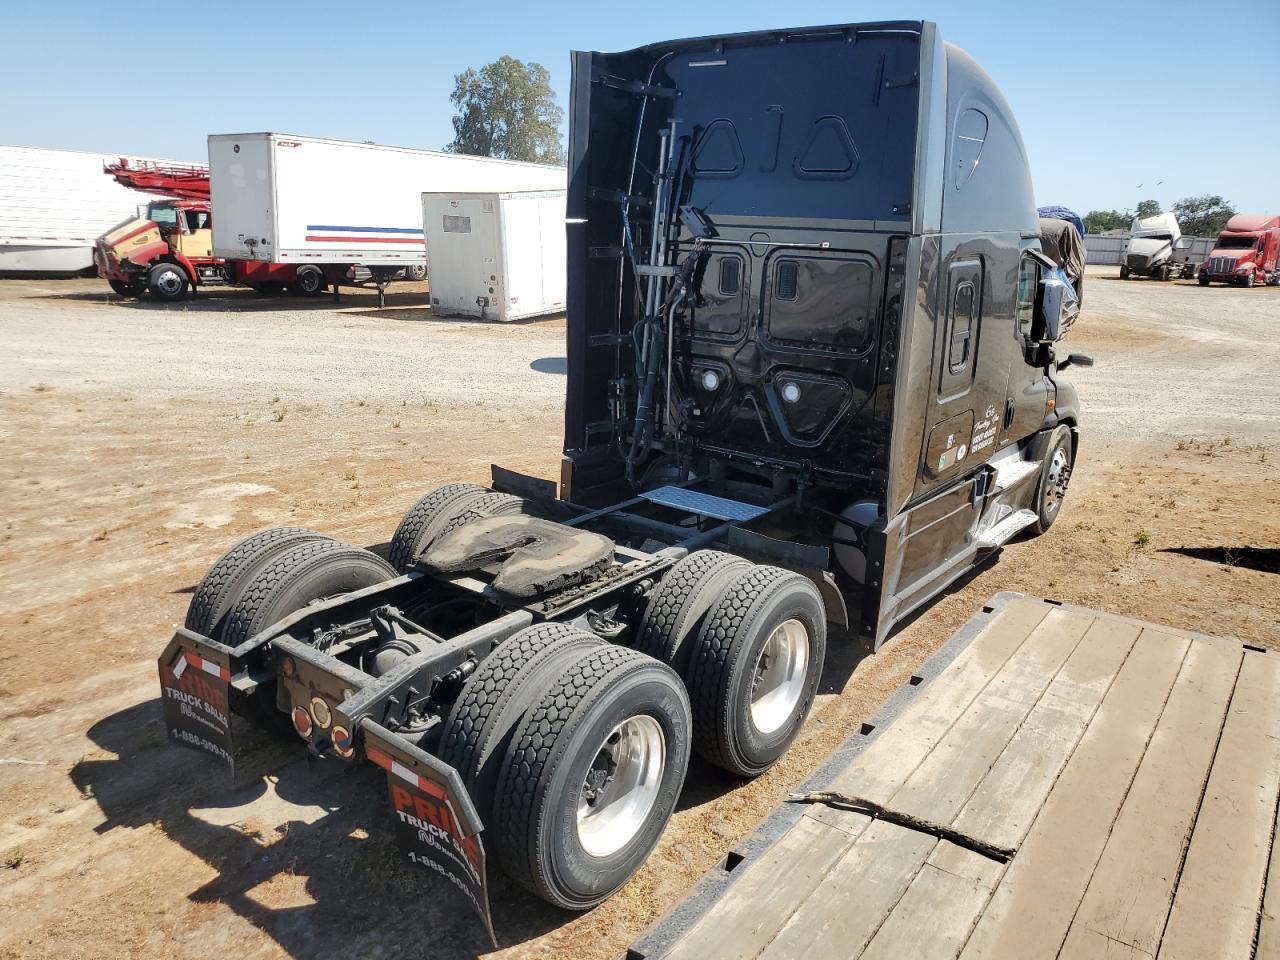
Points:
(162, 214)
(1236, 243)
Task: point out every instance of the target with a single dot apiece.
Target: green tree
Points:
(1149, 208)
(507, 109)
(1100, 221)
(1203, 216)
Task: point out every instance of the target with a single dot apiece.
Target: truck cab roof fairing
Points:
(987, 185)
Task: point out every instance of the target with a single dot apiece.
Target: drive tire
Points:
(168, 281)
(680, 602)
(538, 833)
(1203, 281)
(296, 577)
(761, 604)
(483, 718)
(1124, 272)
(422, 522)
(1051, 489)
(126, 289)
(218, 589)
(308, 281)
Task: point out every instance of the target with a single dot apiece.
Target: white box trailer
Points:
(292, 199)
(497, 256)
(55, 203)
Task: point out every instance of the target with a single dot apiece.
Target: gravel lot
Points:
(239, 346)
(140, 440)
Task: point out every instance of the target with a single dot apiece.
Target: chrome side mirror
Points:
(1055, 293)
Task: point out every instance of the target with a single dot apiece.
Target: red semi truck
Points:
(1248, 252)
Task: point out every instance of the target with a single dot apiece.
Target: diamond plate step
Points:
(704, 504)
(1004, 530)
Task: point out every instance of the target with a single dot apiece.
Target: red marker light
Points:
(342, 744)
(302, 721)
(288, 667)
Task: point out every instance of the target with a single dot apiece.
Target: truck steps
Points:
(1004, 529)
(704, 504)
(1010, 473)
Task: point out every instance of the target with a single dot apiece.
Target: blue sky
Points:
(1109, 95)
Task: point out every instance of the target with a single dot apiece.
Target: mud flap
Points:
(437, 826)
(196, 682)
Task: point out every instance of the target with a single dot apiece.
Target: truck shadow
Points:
(554, 365)
(306, 852)
(1265, 559)
(424, 313)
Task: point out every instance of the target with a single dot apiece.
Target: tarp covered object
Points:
(1062, 244)
(1063, 213)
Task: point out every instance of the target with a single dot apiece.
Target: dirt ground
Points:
(140, 440)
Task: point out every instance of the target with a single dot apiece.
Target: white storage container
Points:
(55, 203)
(498, 256)
(291, 199)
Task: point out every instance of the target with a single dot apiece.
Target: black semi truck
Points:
(812, 379)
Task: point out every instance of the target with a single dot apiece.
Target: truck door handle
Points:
(1008, 413)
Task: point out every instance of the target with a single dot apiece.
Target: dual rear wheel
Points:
(573, 749)
(749, 642)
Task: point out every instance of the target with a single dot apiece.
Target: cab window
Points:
(1025, 310)
(163, 215)
(962, 336)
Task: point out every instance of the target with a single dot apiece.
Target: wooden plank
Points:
(1096, 946)
(864, 885)
(947, 777)
(757, 904)
(1011, 794)
(1269, 924)
(888, 760)
(884, 861)
(1215, 911)
(1031, 909)
(1128, 898)
(934, 916)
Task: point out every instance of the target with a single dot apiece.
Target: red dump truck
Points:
(1248, 252)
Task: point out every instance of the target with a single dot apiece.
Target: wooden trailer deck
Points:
(1066, 784)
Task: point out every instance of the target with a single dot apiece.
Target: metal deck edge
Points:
(658, 939)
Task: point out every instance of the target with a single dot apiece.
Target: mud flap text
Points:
(436, 828)
(195, 693)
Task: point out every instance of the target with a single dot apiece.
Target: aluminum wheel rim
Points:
(1056, 487)
(169, 282)
(780, 675)
(621, 787)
